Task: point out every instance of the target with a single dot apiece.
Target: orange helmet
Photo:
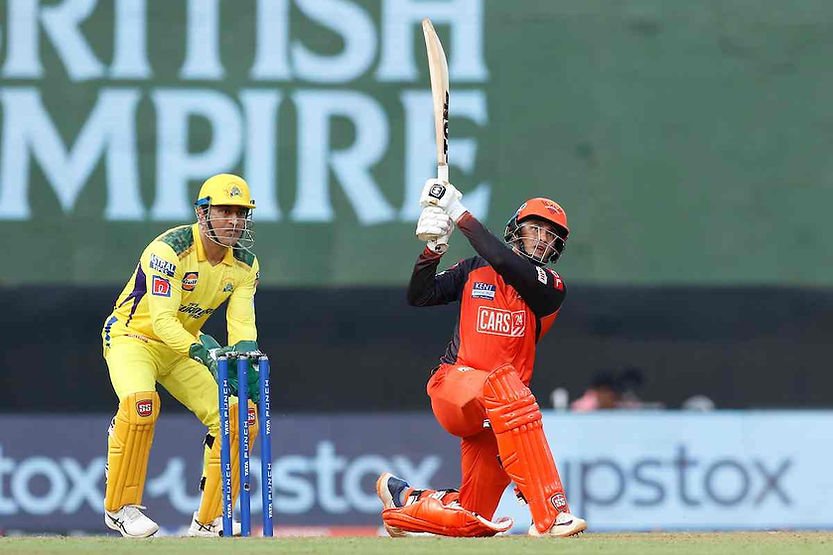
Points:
(542, 209)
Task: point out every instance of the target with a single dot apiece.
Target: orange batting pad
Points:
(430, 516)
(517, 423)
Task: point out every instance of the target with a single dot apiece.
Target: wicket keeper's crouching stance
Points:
(153, 335)
(479, 393)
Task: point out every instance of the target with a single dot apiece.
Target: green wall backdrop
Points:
(688, 141)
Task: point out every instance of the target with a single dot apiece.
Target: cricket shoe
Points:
(130, 522)
(565, 525)
(212, 530)
(389, 488)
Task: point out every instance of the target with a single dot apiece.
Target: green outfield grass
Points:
(777, 543)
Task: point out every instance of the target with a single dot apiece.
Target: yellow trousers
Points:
(136, 366)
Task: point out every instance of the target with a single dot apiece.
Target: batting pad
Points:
(430, 516)
(128, 449)
(524, 452)
(211, 503)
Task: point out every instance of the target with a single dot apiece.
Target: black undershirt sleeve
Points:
(428, 288)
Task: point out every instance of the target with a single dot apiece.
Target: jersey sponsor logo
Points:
(557, 283)
(160, 287)
(482, 290)
(496, 321)
(195, 311)
(542, 275)
(189, 281)
(137, 336)
(162, 266)
(144, 407)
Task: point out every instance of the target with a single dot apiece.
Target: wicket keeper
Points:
(153, 335)
(508, 300)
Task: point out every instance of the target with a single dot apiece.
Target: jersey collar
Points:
(228, 259)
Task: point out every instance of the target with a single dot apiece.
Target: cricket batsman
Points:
(153, 335)
(508, 300)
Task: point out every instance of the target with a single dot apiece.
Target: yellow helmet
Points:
(225, 189)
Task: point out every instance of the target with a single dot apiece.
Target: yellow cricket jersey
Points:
(175, 289)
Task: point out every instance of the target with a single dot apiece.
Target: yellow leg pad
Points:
(128, 449)
(211, 503)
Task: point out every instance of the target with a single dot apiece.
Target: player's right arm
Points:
(428, 288)
(163, 275)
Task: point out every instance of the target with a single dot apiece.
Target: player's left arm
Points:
(541, 288)
(240, 314)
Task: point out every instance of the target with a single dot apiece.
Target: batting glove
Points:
(443, 195)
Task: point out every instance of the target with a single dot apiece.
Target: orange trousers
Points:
(456, 394)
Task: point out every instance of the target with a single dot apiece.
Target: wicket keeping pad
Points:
(211, 503)
(128, 448)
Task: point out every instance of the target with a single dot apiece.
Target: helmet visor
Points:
(538, 241)
(229, 226)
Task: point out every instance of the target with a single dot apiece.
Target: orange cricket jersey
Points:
(506, 306)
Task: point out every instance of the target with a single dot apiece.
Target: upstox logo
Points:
(681, 479)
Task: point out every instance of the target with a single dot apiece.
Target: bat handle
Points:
(442, 172)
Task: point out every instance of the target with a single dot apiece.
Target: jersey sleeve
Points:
(428, 288)
(163, 275)
(541, 288)
(240, 314)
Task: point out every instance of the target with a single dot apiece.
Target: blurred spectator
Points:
(603, 393)
(699, 403)
(629, 382)
(613, 390)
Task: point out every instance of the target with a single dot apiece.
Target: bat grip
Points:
(442, 172)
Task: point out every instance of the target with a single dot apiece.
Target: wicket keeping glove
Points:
(443, 195)
(250, 348)
(206, 352)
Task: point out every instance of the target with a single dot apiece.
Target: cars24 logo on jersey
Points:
(496, 321)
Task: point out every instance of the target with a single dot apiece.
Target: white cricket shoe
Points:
(213, 529)
(130, 522)
(565, 525)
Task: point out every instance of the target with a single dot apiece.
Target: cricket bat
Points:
(438, 69)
